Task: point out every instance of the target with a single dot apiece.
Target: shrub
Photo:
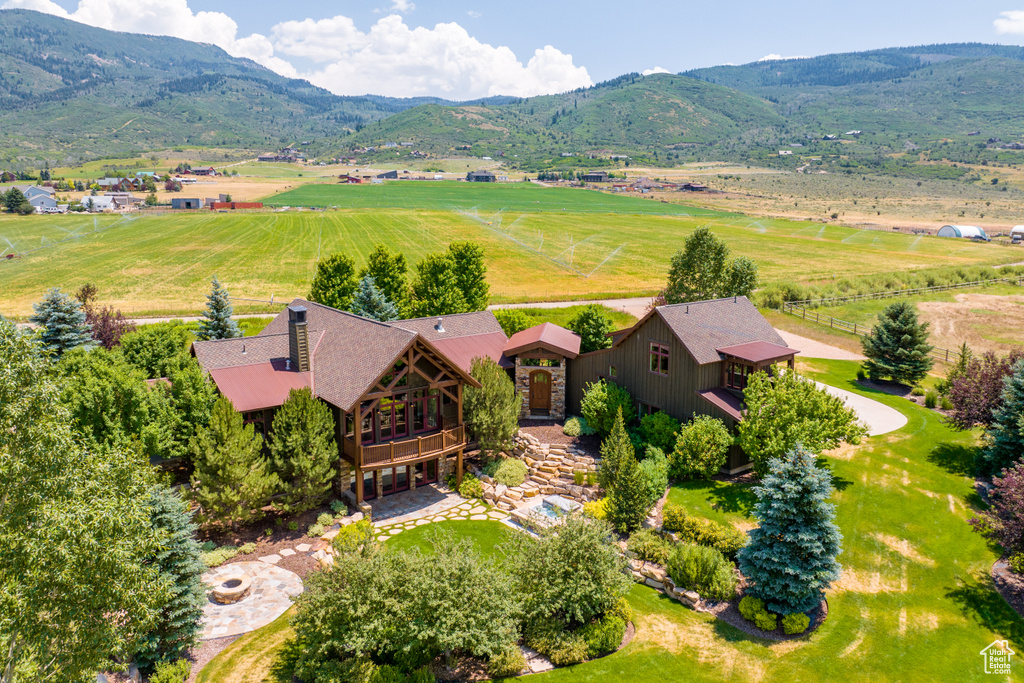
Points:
(1016, 563)
(604, 635)
(659, 429)
(601, 402)
(750, 606)
(723, 538)
(917, 391)
(591, 478)
(247, 549)
(572, 427)
(578, 476)
(861, 375)
(766, 621)
(471, 487)
(945, 403)
(507, 471)
(214, 557)
(508, 662)
(655, 469)
(492, 411)
(931, 399)
(354, 538)
(338, 506)
(704, 570)
(794, 623)
(700, 450)
(293, 526)
(647, 545)
(325, 519)
(596, 509)
(315, 530)
(551, 638)
(171, 672)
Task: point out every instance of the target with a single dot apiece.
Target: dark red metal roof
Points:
(547, 336)
(259, 386)
(725, 401)
(462, 350)
(758, 351)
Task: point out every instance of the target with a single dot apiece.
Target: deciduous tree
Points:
(699, 271)
(436, 289)
(303, 451)
(62, 322)
(334, 283)
(791, 558)
(512, 320)
(786, 410)
(74, 528)
(701, 449)
(976, 389)
(1004, 520)
(897, 346)
(390, 273)
(470, 273)
(593, 326)
(232, 480)
(217, 322)
(1005, 435)
(601, 402)
(106, 324)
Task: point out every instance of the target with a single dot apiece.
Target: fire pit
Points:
(231, 588)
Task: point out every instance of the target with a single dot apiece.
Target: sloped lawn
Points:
(916, 602)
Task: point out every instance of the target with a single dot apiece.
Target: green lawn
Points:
(486, 536)
(561, 316)
(162, 264)
(915, 602)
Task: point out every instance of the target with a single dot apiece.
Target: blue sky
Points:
(463, 49)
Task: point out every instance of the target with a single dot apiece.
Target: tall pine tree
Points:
(62, 322)
(232, 480)
(370, 302)
(897, 346)
(492, 411)
(791, 557)
(179, 561)
(1006, 433)
(217, 323)
(613, 449)
(629, 499)
(303, 451)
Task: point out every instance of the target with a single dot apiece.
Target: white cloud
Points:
(655, 70)
(1010, 22)
(391, 58)
(395, 59)
(473, 14)
(402, 6)
(776, 57)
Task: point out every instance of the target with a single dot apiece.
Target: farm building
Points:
(388, 175)
(967, 231)
(1017, 230)
(186, 203)
(595, 177)
(481, 177)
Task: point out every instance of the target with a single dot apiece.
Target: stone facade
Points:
(557, 410)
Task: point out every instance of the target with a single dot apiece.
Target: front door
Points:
(540, 390)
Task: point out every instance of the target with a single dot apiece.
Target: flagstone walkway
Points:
(272, 591)
(461, 510)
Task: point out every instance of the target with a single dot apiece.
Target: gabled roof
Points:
(704, 327)
(348, 353)
(547, 336)
(758, 351)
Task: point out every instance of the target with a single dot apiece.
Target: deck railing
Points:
(438, 443)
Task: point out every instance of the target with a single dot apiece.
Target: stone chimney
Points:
(298, 338)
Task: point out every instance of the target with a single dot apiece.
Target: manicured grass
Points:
(162, 264)
(486, 536)
(266, 655)
(561, 316)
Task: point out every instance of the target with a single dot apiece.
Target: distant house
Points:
(595, 177)
(99, 204)
(186, 203)
(123, 200)
(965, 231)
(829, 137)
(206, 170)
(481, 177)
(785, 152)
(346, 179)
(121, 184)
(388, 175)
(267, 157)
(693, 187)
(7, 177)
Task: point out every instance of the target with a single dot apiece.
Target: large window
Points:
(659, 358)
(736, 375)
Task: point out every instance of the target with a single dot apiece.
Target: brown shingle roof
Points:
(459, 325)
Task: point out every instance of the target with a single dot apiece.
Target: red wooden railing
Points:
(438, 443)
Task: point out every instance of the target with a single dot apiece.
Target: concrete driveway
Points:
(879, 418)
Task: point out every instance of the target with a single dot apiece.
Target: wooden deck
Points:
(405, 450)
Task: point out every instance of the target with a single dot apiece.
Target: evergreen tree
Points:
(436, 289)
(897, 346)
(492, 411)
(1006, 433)
(334, 283)
(470, 273)
(593, 326)
(370, 302)
(180, 563)
(629, 499)
(613, 449)
(791, 558)
(14, 200)
(218, 323)
(63, 323)
(232, 480)
(390, 273)
(303, 451)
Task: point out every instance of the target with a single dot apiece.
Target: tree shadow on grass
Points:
(283, 668)
(954, 458)
(838, 483)
(978, 600)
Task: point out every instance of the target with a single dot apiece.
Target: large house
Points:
(687, 359)
(396, 389)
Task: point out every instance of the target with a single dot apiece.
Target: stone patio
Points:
(422, 502)
(452, 508)
(272, 591)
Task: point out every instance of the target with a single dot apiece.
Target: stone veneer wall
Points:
(557, 388)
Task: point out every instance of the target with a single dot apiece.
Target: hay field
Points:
(161, 264)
